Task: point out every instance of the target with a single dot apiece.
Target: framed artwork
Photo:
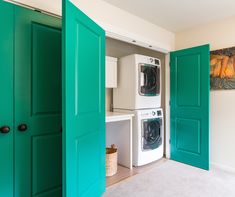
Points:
(222, 69)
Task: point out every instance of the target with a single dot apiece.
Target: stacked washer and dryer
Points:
(139, 92)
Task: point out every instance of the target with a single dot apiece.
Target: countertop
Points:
(116, 116)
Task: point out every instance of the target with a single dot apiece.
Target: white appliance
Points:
(148, 136)
(139, 83)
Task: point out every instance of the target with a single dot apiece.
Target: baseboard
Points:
(223, 167)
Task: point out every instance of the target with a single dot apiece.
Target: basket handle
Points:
(114, 146)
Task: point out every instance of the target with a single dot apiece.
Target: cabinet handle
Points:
(5, 129)
(22, 127)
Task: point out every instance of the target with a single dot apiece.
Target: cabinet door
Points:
(190, 98)
(6, 99)
(38, 138)
(111, 72)
(83, 104)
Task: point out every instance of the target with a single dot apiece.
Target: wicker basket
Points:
(111, 160)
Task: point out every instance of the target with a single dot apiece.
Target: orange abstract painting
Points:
(222, 69)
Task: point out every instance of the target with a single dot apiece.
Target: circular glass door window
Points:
(152, 134)
(149, 80)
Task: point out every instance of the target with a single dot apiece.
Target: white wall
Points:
(219, 35)
(117, 23)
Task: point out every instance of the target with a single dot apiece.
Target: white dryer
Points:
(148, 136)
(139, 83)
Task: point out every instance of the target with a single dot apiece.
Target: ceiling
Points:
(178, 15)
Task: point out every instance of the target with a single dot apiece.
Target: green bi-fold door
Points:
(189, 106)
(6, 99)
(38, 105)
(83, 105)
(31, 104)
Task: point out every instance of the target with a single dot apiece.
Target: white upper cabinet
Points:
(111, 72)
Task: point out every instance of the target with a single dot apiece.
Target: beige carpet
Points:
(173, 179)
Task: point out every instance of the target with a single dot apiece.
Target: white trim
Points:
(222, 167)
(125, 36)
(33, 8)
(167, 107)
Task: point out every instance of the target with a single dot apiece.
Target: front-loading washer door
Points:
(149, 80)
(151, 133)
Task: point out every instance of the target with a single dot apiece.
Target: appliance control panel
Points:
(153, 61)
(151, 113)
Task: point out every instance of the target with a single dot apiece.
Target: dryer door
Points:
(149, 80)
(151, 133)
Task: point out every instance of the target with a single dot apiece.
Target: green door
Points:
(38, 105)
(83, 105)
(189, 110)
(6, 101)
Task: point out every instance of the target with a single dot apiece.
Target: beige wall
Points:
(220, 34)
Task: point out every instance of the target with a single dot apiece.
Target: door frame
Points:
(167, 106)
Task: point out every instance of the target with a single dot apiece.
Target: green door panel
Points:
(189, 111)
(38, 103)
(83, 105)
(6, 101)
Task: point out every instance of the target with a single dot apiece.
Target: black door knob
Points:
(5, 129)
(22, 127)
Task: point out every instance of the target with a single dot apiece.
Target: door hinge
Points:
(169, 141)
(169, 103)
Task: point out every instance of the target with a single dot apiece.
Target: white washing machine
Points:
(148, 136)
(139, 83)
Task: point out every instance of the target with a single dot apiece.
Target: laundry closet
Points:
(120, 102)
